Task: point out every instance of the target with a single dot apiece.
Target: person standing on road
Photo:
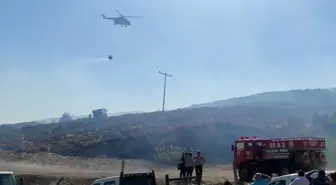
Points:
(181, 166)
(301, 179)
(189, 164)
(199, 162)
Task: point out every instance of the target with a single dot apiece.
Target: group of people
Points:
(188, 163)
(301, 179)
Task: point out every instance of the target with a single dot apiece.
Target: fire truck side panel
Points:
(296, 143)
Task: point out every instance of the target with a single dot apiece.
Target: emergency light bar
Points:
(247, 138)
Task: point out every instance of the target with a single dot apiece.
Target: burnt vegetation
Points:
(161, 137)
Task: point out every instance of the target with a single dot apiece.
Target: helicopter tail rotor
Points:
(102, 15)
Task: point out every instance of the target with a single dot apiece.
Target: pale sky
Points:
(51, 51)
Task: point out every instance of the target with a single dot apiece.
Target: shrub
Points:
(169, 154)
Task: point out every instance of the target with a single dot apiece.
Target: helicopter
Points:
(121, 20)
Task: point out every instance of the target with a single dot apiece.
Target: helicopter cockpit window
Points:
(240, 145)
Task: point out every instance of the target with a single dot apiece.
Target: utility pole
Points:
(164, 88)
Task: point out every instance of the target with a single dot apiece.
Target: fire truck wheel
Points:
(244, 174)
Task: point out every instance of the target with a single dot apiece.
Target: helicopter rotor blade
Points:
(119, 13)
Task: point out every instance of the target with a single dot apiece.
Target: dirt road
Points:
(55, 165)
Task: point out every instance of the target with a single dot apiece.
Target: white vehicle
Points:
(107, 181)
(287, 179)
(128, 178)
(7, 178)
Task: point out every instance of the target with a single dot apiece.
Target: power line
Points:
(164, 89)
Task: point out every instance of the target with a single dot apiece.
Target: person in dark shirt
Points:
(333, 178)
(182, 167)
(321, 179)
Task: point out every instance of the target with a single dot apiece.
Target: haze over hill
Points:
(318, 100)
(53, 120)
(161, 136)
(286, 99)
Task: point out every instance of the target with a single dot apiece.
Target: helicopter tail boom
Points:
(109, 18)
(132, 16)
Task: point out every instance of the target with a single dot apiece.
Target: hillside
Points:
(319, 99)
(161, 136)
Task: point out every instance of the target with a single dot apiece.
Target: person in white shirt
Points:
(301, 180)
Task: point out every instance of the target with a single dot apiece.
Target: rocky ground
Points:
(46, 168)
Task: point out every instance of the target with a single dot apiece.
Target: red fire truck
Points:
(276, 156)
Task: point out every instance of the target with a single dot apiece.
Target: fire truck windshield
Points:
(240, 145)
